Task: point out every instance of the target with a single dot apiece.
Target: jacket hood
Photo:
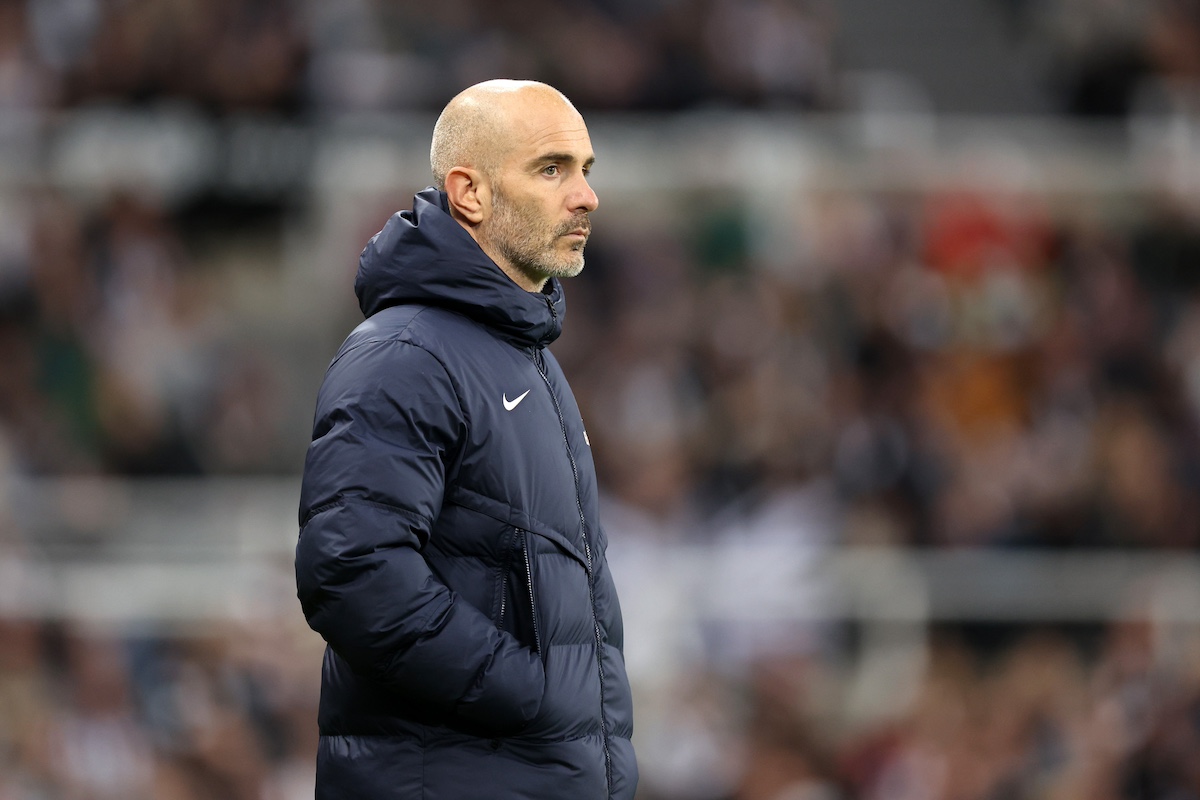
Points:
(424, 256)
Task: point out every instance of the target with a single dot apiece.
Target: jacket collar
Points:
(424, 256)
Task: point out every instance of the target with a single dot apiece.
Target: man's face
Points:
(535, 240)
(538, 221)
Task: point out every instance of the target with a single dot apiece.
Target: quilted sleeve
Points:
(388, 422)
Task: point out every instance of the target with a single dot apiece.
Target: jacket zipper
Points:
(504, 570)
(537, 634)
(503, 600)
(587, 551)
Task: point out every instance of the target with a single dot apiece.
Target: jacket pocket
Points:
(518, 613)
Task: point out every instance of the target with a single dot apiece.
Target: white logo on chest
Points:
(509, 405)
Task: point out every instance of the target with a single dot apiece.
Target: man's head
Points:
(513, 158)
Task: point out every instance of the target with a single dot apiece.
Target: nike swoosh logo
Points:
(509, 405)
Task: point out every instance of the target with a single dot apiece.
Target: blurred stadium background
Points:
(888, 345)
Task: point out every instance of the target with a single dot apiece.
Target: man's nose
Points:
(584, 198)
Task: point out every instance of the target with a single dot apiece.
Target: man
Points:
(450, 550)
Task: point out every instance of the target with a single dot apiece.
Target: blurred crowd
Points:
(305, 57)
(972, 365)
(119, 355)
(964, 366)
(1036, 720)
(228, 712)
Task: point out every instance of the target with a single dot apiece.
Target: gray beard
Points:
(529, 245)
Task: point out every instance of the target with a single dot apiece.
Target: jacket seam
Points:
(392, 337)
(361, 501)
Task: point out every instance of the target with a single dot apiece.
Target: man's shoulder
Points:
(429, 327)
(393, 352)
(404, 347)
(394, 333)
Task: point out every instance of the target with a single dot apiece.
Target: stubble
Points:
(530, 243)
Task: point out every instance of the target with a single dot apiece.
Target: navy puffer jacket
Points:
(450, 549)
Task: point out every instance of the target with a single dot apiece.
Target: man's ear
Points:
(469, 194)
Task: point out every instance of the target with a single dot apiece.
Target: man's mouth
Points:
(580, 228)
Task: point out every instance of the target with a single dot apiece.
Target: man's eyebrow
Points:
(566, 158)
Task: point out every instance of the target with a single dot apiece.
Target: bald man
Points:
(451, 552)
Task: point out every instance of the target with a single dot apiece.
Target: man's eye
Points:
(551, 169)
